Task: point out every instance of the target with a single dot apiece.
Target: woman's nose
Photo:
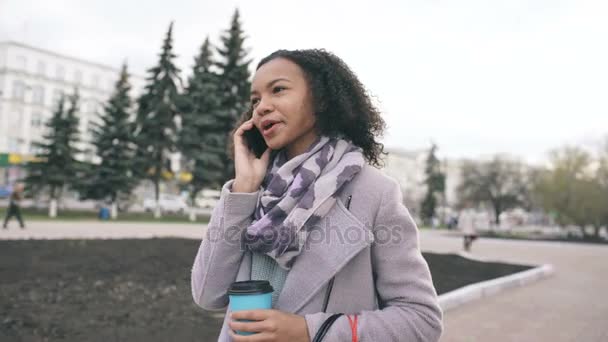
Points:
(264, 107)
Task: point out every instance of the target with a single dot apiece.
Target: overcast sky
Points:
(477, 77)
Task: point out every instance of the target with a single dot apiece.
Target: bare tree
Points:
(500, 182)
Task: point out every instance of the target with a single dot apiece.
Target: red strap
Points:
(353, 326)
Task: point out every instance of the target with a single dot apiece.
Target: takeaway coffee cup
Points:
(250, 295)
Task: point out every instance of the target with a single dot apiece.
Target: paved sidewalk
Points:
(101, 230)
(572, 305)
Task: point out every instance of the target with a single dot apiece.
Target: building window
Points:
(60, 73)
(41, 68)
(22, 63)
(95, 81)
(15, 122)
(35, 150)
(78, 77)
(57, 94)
(13, 145)
(36, 119)
(94, 107)
(18, 90)
(38, 95)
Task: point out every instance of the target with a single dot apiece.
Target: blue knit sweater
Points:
(264, 267)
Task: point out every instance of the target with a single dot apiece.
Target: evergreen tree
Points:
(157, 117)
(114, 145)
(56, 166)
(234, 82)
(202, 137)
(435, 184)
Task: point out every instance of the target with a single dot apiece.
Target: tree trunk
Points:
(114, 210)
(596, 231)
(583, 231)
(53, 204)
(157, 176)
(192, 216)
(157, 213)
(53, 208)
(497, 211)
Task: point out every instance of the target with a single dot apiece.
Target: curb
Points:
(484, 289)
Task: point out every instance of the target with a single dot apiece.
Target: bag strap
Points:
(325, 327)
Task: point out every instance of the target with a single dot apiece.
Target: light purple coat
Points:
(371, 250)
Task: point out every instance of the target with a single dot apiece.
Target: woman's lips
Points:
(272, 130)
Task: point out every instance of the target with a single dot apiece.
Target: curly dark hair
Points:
(342, 105)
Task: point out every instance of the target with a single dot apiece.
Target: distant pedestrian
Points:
(467, 224)
(14, 206)
(452, 222)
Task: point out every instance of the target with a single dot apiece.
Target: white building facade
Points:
(407, 167)
(33, 80)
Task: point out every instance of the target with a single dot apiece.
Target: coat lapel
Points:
(335, 240)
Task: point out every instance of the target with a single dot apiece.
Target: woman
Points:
(467, 225)
(314, 217)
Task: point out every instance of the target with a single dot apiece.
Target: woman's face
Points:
(282, 106)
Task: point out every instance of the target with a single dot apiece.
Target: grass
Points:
(82, 215)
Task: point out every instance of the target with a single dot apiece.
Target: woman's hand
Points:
(270, 325)
(249, 170)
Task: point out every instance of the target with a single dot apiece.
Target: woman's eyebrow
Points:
(270, 84)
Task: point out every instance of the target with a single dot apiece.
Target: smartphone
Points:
(255, 141)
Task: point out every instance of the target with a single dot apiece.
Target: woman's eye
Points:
(277, 89)
(254, 101)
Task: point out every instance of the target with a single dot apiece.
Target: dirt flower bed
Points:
(133, 290)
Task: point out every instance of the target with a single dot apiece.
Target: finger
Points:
(259, 337)
(255, 326)
(252, 315)
(239, 139)
(244, 127)
(266, 155)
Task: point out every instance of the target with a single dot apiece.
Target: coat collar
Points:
(335, 240)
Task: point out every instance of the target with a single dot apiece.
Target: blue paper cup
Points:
(250, 295)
